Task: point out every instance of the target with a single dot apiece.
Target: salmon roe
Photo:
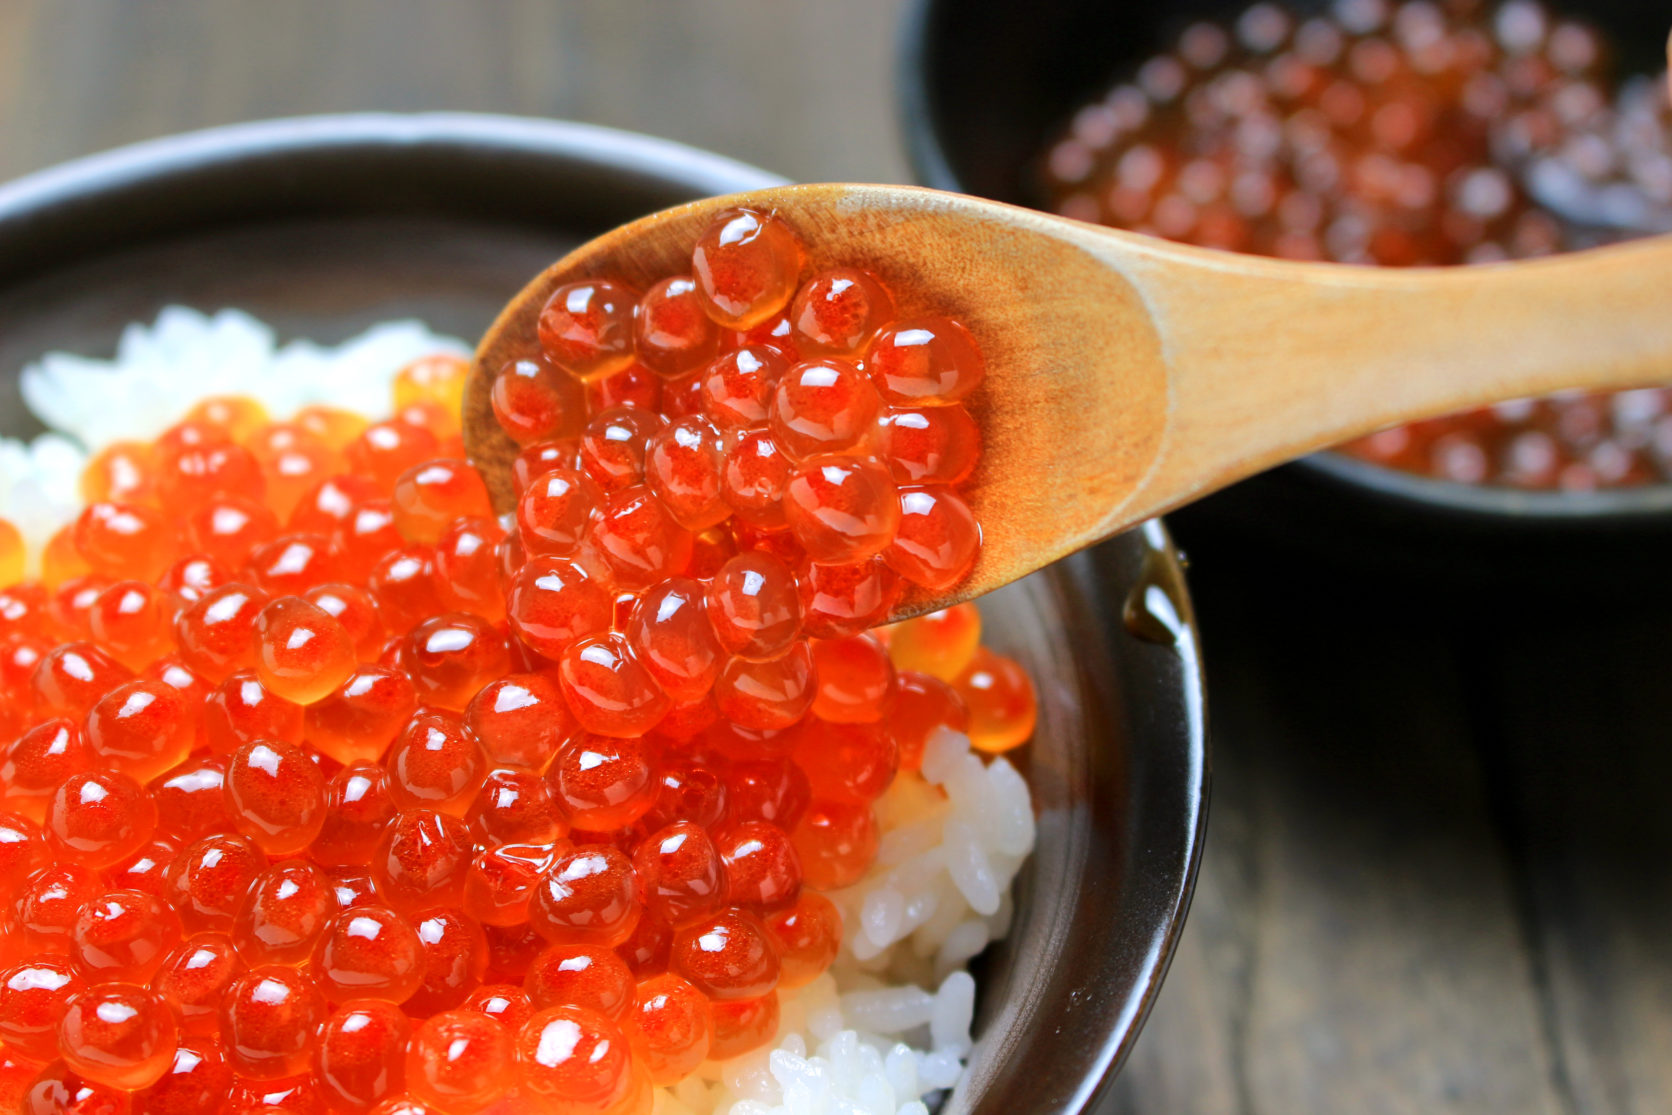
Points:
(324, 788)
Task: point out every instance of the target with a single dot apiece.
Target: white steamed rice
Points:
(887, 1029)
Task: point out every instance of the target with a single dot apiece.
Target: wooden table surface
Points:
(1437, 878)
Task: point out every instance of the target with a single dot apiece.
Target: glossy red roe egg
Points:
(840, 600)
(303, 652)
(590, 895)
(753, 605)
(743, 1026)
(822, 406)
(532, 401)
(292, 564)
(384, 450)
(329, 503)
(228, 527)
(925, 361)
(669, 1026)
(753, 478)
(941, 643)
(727, 956)
(1001, 701)
(554, 511)
(276, 795)
(98, 819)
(142, 728)
(118, 1034)
(613, 447)
(459, 1061)
(436, 764)
(746, 264)
(683, 465)
(633, 386)
(588, 976)
(358, 722)
(145, 870)
(576, 1060)
(194, 980)
(502, 881)
(837, 312)
(283, 915)
(505, 1003)
(429, 496)
(763, 871)
(49, 901)
(125, 540)
(553, 602)
(680, 874)
(639, 540)
(358, 807)
(671, 332)
(33, 997)
(208, 880)
(521, 720)
(837, 842)
(737, 388)
(467, 568)
(241, 710)
(856, 679)
(455, 960)
(922, 706)
(269, 1021)
(610, 692)
(407, 587)
(842, 509)
(604, 783)
(586, 328)
(422, 859)
(369, 952)
(188, 580)
(672, 635)
(134, 622)
(451, 657)
(931, 445)
(70, 678)
(359, 1058)
(688, 791)
(216, 635)
(363, 537)
(59, 1090)
(767, 694)
(543, 456)
(124, 935)
(32, 766)
(196, 1083)
(22, 849)
(807, 936)
(938, 538)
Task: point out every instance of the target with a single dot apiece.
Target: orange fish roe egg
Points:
(348, 790)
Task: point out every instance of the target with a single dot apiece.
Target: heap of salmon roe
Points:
(1400, 133)
(324, 788)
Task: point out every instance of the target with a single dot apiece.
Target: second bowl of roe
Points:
(1401, 133)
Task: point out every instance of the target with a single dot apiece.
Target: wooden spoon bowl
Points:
(1128, 375)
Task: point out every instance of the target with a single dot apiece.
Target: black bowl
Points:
(322, 226)
(984, 84)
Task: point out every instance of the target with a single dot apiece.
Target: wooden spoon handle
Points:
(1312, 355)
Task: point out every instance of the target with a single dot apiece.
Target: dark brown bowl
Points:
(322, 226)
(984, 84)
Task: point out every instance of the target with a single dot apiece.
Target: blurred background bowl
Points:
(985, 84)
(322, 226)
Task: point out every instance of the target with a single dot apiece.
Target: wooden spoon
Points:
(1129, 375)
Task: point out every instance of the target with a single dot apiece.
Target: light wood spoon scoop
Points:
(1129, 375)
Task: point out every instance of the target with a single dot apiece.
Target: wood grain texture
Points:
(1300, 986)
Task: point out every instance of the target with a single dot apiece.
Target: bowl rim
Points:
(917, 117)
(54, 201)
